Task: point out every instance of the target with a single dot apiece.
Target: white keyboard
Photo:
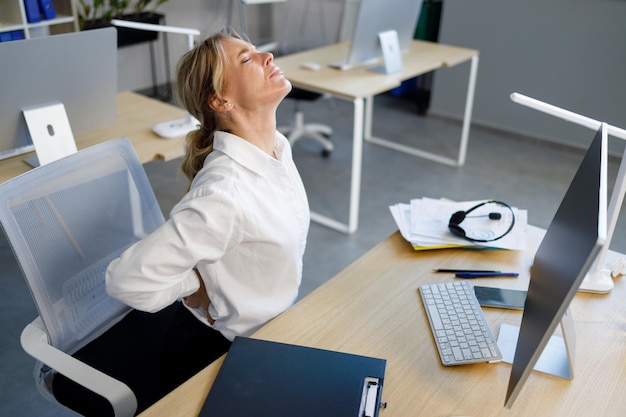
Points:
(458, 325)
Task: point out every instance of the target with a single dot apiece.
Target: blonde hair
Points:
(199, 78)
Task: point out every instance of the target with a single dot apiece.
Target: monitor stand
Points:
(50, 131)
(598, 281)
(557, 357)
(392, 55)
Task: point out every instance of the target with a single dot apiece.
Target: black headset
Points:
(459, 216)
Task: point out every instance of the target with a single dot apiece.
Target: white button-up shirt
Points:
(243, 225)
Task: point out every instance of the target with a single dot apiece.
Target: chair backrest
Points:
(65, 222)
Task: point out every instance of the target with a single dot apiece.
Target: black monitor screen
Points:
(565, 255)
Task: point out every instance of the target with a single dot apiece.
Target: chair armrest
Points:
(34, 340)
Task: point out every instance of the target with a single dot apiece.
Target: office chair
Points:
(298, 129)
(65, 222)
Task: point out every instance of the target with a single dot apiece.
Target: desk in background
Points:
(373, 308)
(136, 115)
(360, 86)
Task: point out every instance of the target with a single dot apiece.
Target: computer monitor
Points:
(569, 248)
(374, 17)
(78, 69)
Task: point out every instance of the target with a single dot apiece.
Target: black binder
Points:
(262, 379)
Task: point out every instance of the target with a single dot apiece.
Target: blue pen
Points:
(485, 274)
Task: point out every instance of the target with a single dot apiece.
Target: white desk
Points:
(136, 114)
(360, 86)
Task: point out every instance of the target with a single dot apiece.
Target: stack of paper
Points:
(424, 223)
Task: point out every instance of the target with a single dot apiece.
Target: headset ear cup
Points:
(457, 230)
(457, 218)
(454, 222)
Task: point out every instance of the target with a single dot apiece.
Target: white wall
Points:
(570, 53)
(305, 24)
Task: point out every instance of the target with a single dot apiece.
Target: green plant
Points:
(117, 7)
(113, 9)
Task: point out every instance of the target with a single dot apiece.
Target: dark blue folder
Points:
(31, 7)
(47, 9)
(261, 378)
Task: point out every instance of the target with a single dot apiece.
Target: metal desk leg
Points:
(467, 117)
(355, 180)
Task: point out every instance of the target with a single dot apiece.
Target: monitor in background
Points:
(374, 17)
(77, 69)
(569, 248)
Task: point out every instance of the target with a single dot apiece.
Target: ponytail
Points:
(200, 77)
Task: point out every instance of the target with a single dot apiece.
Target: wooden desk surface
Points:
(421, 58)
(373, 308)
(136, 115)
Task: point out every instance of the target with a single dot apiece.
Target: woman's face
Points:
(251, 80)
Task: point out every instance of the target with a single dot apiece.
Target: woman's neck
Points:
(256, 128)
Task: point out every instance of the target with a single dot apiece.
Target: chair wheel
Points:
(325, 153)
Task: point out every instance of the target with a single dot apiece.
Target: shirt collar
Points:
(247, 154)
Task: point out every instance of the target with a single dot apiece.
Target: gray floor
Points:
(523, 172)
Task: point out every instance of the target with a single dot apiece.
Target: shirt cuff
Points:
(189, 285)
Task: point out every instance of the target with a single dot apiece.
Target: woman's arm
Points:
(159, 269)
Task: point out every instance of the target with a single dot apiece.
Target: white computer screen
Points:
(376, 16)
(77, 69)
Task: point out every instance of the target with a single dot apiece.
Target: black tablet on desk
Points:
(500, 297)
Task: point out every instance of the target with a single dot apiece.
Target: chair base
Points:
(318, 132)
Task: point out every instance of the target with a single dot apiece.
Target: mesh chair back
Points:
(65, 222)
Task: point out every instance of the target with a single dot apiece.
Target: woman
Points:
(232, 248)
